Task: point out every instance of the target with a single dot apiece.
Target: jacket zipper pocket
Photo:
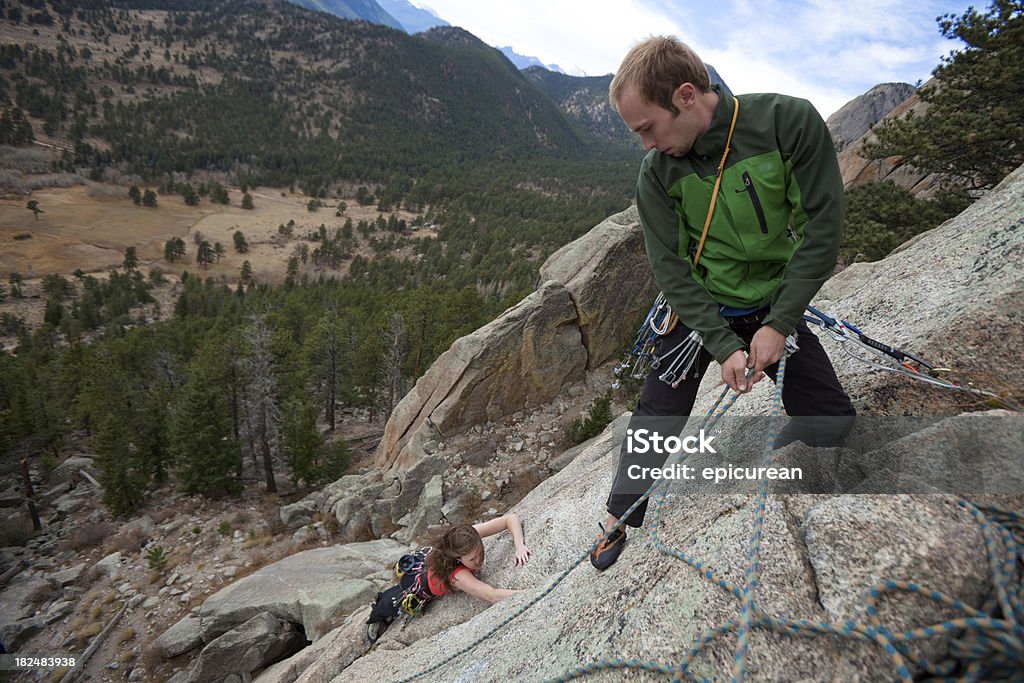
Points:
(748, 187)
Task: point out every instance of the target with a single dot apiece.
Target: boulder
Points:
(68, 503)
(13, 634)
(298, 514)
(307, 588)
(16, 528)
(67, 577)
(522, 358)
(321, 661)
(606, 273)
(355, 512)
(11, 498)
(68, 471)
(19, 598)
(111, 565)
(183, 637)
(412, 483)
(427, 512)
(260, 641)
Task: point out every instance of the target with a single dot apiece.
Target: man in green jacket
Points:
(744, 280)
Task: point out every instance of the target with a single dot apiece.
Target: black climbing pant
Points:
(810, 390)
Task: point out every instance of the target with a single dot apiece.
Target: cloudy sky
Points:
(828, 51)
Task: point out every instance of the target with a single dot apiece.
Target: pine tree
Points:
(302, 442)
(325, 355)
(131, 260)
(261, 399)
(241, 246)
(205, 451)
(205, 254)
(973, 129)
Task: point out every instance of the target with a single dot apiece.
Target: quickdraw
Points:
(641, 359)
(895, 360)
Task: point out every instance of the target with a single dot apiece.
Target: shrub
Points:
(597, 418)
(157, 558)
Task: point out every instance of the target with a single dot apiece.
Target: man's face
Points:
(659, 128)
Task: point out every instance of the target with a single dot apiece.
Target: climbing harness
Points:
(409, 595)
(413, 568)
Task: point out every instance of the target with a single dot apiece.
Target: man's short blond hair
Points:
(657, 66)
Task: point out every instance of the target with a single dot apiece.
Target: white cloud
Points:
(828, 51)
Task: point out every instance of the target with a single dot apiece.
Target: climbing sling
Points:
(662, 319)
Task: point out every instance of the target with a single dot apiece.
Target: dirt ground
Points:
(84, 227)
(89, 228)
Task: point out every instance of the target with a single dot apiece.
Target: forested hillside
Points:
(171, 95)
(585, 101)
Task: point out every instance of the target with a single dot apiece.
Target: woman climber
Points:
(449, 564)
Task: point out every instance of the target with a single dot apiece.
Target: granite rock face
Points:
(820, 554)
(590, 294)
(857, 169)
(856, 117)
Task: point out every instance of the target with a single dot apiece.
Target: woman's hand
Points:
(522, 555)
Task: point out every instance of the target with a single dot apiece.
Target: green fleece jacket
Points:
(774, 237)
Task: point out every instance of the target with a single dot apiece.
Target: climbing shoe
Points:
(606, 552)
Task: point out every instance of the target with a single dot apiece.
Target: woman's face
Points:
(473, 560)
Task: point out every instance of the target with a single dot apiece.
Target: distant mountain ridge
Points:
(405, 16)
(584, 99)
(367, 10)
(522, 62)
(412, 18)
(310, 101)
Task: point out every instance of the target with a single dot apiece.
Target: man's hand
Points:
(734, 373)
(766, 348)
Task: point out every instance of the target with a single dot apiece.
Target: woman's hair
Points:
(656, 67)
(450, 545)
